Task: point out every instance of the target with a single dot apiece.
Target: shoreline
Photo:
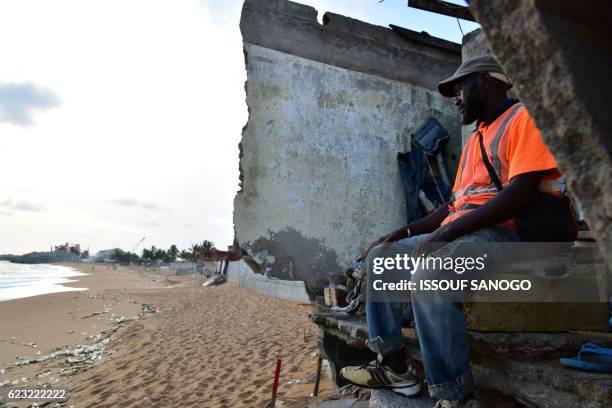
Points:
(146, 337)
(21, 281)
(34, 327)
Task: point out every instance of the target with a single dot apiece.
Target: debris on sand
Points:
(146, 308)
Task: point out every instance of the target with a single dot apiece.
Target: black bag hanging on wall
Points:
(549, 220)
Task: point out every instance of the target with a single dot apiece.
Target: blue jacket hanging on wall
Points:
(416, 172)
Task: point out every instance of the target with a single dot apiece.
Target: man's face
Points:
(469, 98)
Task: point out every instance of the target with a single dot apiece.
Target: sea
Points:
(25, 280)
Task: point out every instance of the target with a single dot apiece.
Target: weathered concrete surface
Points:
(354, 332)
(524, 366)
(330, 108)
(388, 399)
(344, 42)
(559, 56)
(240, 273)
(474, 44)
(341, 403)
(538, 317)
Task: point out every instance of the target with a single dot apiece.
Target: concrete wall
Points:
(474, 45)
(239, 273)
(330, 107)
(209, 267)
(184, 267)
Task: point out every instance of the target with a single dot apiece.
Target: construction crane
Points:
(138, 244)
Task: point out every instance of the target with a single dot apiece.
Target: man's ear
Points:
(484, 81)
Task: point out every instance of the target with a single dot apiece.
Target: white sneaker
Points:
(376, 375)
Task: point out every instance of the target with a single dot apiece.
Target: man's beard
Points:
(472, 107)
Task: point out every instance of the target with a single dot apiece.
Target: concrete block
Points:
(341, 403)
(537, 317)
(388, 399)
(283, 292)
(522, 365)
(240, 274)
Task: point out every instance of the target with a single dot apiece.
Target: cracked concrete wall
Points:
(318, 156)
(559, 56)
(474, 44)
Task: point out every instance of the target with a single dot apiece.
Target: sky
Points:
(120, 119)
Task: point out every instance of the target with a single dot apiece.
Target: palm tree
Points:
(207, 245)
(185, 255)
(173, 253)
(195, 248)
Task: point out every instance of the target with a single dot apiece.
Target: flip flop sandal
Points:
(592, 357)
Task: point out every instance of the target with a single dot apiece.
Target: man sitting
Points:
(478, 212)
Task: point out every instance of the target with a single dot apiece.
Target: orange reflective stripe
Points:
(472, 190)
(494, 146)
(514, 145)
(465, 160)
(475, 190)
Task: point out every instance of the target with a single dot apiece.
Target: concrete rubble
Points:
(389, 399)
(522, 365)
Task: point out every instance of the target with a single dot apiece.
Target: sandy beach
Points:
(145, 338)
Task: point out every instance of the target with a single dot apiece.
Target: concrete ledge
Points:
(523, 365)
(388, 399)
(345, 42)
(240, 273)
(538, 317)
(354, 331)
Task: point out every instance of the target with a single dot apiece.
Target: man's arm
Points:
(516, 197)
(427, 224)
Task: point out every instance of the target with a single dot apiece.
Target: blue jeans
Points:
(441, 327)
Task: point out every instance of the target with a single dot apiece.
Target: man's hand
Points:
(437, 239)
(423, 226)
(365, 253)
(396, 235)
(519, 195)
(445, 233)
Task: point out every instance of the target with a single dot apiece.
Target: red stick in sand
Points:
(275, 385)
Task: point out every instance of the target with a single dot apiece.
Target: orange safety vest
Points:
(514, 146)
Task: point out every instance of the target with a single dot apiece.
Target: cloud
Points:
(150, 224)
(28, 206)
(131, 202)
(222, 12)
(20, 205)
(20, 101)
